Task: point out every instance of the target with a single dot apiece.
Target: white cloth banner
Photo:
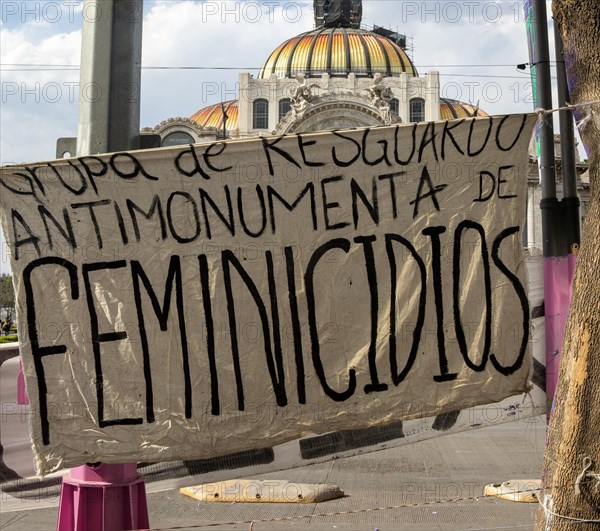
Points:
(191, 302)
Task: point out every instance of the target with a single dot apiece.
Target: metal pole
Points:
(571, 233)
(542, 71)
(94, 78)
(553, 273)
(109, 98)
(556, 216)
(567, 132)
(108, 120)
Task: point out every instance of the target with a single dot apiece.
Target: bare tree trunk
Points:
(572, 489)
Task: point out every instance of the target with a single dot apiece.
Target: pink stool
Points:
(103, 498)
(22, 398)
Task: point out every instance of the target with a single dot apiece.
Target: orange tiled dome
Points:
(212, 115)
(451, 109)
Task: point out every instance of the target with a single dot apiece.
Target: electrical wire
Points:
(24, 67)
(33, 67)
(466, 65)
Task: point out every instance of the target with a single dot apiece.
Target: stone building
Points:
(341, 75)
(338, 75)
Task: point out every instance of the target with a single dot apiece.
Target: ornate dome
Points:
(451, 109)
(337, 51)
(212, 116)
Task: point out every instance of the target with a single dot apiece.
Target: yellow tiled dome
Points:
(212, 115)
(338, 52)
(451, 109)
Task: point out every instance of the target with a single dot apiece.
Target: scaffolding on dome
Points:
(338, 13)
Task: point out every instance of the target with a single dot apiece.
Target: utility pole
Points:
(111, 73)
(560, 218)
(108, 121)
(536, 21)
(570, 201)
(541, 64)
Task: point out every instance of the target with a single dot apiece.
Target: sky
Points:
(475, 45)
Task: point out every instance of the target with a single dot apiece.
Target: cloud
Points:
(236, 35)
(39, 103)
(471, 38)
(228, 34)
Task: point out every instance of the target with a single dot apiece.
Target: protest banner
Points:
(192, 302)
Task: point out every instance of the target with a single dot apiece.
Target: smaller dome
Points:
(451, 109)
(212, 116)
(338, 52)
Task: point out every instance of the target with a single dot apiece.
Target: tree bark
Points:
(571, 489)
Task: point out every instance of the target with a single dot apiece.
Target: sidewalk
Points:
(420, 475)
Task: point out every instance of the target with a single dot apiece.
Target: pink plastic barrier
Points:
(103, 498)
(22, 398)
(558, 276)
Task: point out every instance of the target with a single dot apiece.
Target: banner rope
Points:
(567, 107)
(388, 507)
(548, 504)
(585, 473)
(581, 124)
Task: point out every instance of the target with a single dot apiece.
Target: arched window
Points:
(260, 114)
(177, 138)
(285, 104)
(394, 105)
(417, 110)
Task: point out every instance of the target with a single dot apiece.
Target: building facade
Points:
(337, 76)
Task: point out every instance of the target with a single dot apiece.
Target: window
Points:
(178, 138)
(285, 104)
(394, 105)
(260, 114)
(417, 110)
